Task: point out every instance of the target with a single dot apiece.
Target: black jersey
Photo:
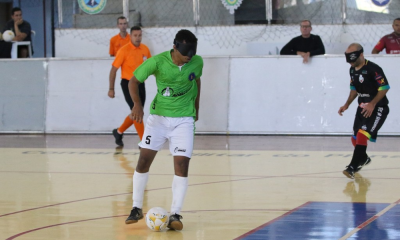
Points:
(25, 27)
(368, 81)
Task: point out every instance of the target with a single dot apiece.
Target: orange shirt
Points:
(129, 58)
(117, 42)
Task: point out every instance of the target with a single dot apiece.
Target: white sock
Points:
(179, 187)
(139, 184)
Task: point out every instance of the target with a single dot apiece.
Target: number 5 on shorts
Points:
(148, 139)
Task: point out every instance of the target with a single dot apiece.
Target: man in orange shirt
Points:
(129, 57)
(121, 38)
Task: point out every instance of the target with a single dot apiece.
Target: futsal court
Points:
(55, 187)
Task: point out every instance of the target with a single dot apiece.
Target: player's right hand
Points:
(19, 22)
(342, 109)
(111, 93)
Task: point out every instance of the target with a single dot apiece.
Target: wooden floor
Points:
(240, 187)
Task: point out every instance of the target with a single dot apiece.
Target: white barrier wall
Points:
(22, 95)
(240, 95)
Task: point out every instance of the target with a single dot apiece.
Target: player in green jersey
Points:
(173, 113)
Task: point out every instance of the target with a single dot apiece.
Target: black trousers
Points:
(128, 99)
(371, 124)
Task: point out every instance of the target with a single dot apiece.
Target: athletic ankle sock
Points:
(179, 187)
(125, 125)
(139, 185)
(139, 129)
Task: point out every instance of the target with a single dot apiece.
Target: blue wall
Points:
(39, 14)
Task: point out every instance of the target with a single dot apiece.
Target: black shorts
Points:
(372, 124)
(128, 99)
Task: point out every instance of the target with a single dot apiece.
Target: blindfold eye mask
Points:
(186, 49)
(353, 56)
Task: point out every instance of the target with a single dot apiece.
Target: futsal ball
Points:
(8, 36)
(157, 219)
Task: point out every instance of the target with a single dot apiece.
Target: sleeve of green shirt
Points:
(201, 63)
(146, 69)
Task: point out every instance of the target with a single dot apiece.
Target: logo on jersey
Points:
(377, 76)
(381, 82)
(92, 6)
(381, 3)
(192, 76)
(167, 92)
(364, 127)
(361, 79)
(364, 72)
(144, 58)
(379, 79)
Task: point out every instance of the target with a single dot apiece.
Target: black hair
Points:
(15, 9)
(185, 35)
(134, 28)
(122, 17)
(397, 19)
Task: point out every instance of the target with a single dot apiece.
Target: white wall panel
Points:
(240, 95)
(78, 100)
(214, 96)
(22, 95)
(271, 95)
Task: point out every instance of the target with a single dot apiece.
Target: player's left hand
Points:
(368, 109)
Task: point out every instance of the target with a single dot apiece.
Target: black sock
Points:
(359, 156)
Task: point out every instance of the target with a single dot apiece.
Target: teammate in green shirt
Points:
(173, 113)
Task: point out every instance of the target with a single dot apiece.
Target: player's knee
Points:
(181, 166)
(361, 139)
(142, 166)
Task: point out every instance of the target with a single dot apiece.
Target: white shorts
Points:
(179, 131)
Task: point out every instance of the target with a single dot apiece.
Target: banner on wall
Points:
(92, 6)
(232, 5)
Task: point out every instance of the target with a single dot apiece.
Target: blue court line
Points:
(330, 220)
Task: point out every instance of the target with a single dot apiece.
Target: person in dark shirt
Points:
(22, 30)
(369, 83)
(305, 45)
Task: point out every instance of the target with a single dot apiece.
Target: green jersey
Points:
(176, 86)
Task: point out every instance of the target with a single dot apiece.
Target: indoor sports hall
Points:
(269, 147)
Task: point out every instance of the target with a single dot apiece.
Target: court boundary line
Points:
(155, 189)
(125, 215)
(271, 221)
(373, 218)
(59, 224)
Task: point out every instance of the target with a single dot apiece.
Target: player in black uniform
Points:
(369, 83)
